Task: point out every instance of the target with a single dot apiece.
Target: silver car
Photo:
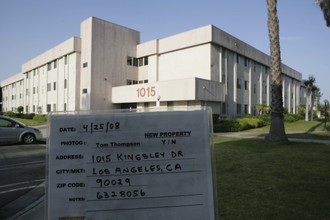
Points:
(12, 131)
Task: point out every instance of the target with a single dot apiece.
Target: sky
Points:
(31, 27)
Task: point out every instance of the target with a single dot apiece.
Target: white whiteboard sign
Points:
(122, 166)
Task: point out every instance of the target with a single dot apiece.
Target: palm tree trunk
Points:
(277, 132)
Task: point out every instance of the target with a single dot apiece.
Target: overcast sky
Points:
(30, 27)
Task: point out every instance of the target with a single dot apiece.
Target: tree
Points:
(20, 109)
(313, 94)
(325, 7)
(277, 132)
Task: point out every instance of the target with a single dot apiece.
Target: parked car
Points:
(12, 131)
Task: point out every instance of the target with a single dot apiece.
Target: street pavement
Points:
(36, 210)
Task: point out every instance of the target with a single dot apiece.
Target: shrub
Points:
(227, 125)
(40, 118)
(20, 109)
(10, 114)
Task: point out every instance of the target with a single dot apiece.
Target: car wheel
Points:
(28, 139)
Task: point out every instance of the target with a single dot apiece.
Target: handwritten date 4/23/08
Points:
(121, 194)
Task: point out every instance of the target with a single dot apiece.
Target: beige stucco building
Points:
(107, 67)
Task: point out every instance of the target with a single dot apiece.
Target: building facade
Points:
(107, 67)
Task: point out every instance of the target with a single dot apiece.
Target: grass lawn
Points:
(29, 122)
(256, 180)
(300, 129)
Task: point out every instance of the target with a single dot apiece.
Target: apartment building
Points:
(107, 67)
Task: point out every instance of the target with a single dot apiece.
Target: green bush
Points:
(292, 117)
(40, 118)
(227, 125)
(249, 123)
(20, 109)
(10, 114)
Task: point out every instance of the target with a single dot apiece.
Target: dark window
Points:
(246, 61)
(239, 83)
(129, 61)
(64, 108)
(237, 59)
(146, 61)
(239, 109)
(49, 66)
(246, 85)
(54, 86)
(254, 88)
(85, 65)
(140, 61)
(223, 108)
(49, 107)
(65, 59)
(135, 62)
(84, 91)
(246, 109)
(65, 84)
(55, 64)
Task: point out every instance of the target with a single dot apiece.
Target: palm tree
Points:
(313, 94)
(277, 132)
(325, 7)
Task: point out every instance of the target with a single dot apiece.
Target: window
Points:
(54, 86)
(129, 82)
(239, 109)
(49, 66)
(237, 59)
(27, 92)
(223, 108)
(49, 107)
(34, 108)
(246, 109)
(64, 107)
(27, 109)
(27, 75)
(55, 64)
(135, 62)
(254, 88)
(49, 87)
(145, 81)
(254, 68)
(140, 61)
(65, 84)
(239, 83)
(146, 61)
(129, 61)
(34, 90)
(6, 123)
(265, 89)
(85, 65)
(246, 62)
(66, 60)
(84, 91)
(246, 85)
(13, 85)
(54, 107)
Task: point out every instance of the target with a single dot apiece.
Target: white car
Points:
(12, 131)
